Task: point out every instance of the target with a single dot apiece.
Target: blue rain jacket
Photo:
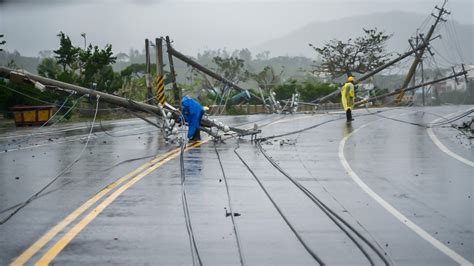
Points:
(192, 112)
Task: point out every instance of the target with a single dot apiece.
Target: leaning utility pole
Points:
(189, 61)
(463, 72)
(148, 73)
(373, 72)
(176, 90)
(419, 55)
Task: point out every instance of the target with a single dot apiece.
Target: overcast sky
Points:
(194, 25)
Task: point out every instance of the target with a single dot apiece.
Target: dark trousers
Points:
(197, 135)
(349, 115)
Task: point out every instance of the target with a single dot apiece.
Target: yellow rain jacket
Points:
(347, 96)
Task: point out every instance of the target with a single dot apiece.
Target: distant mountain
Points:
(16, 60)
(455, 37)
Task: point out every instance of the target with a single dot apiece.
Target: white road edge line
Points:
(443, 148)
(415, 228)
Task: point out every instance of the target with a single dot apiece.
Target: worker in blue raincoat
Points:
(347, 97)
(192, 113)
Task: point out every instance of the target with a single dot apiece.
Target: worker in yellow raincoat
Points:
(347, 97)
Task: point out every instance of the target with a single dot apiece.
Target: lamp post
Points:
(84, 36)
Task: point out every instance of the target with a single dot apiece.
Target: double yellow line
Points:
(121, 184)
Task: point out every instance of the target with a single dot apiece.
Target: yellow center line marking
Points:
(71, 234)
(40, 243)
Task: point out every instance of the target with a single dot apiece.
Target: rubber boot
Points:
(349, 115)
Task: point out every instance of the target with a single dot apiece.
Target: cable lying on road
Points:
(106, 132)
(311, 127)
(192, 241)
(341, 223)
(37, 194)
(428, 125)
(229, 201)
(300, 239)
(338, 220)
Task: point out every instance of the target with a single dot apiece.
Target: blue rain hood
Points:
(192, 113)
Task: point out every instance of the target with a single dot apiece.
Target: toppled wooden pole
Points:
(206, 71)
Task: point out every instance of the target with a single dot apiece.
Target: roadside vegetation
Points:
(123, 74)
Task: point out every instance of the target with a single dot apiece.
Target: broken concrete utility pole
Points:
(373, 72)
(206, 71)
(419, 55)
(464, 72)
(51, 84)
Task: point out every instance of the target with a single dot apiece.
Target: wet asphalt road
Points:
(146, 225)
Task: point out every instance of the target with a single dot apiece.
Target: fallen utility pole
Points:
(464, 72)
(373, 72)
(51, 84)
(54, 85)
(206, 71)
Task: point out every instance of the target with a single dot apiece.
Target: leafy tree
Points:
(133, 81)
(67, 54)
(308, 91)
(83, 66)
(284, 91)
(311, 91)
(232, 69)
(134, 71)
(134, 89)
(49, 68)
(267, 78)
(243, 54)
(96, 65)
(359, 55)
